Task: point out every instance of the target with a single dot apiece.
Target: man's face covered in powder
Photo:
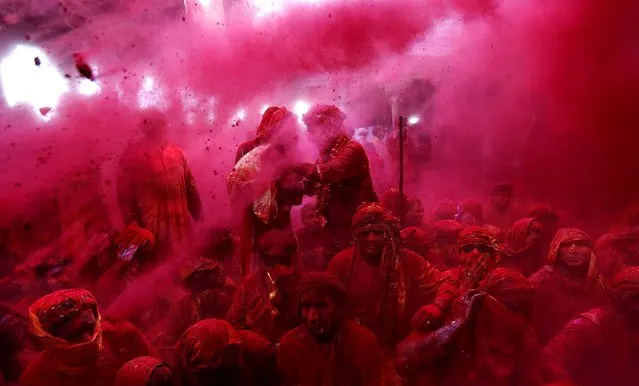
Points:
(76, 322)
(372, 242)
(318, 313)
(575, 254)
(502, 200)
(154, 125)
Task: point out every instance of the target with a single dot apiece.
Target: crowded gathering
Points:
(319, 193)
(372, 289)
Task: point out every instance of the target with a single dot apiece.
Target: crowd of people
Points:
(371, 290)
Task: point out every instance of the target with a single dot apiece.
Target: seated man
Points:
(568, 285)
(477, 257)
(443, 251)
(490, 341)
(210, 294)
(312, 238)
(601, 346)
(387, 283)
(328, 349)
(144, 371)
(266, 300)
(135, 254)
(79, 348)
(211, 352)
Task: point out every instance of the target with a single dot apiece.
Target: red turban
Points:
(414, 238)
(131, 239)
(325, 115)
(204, 341)
(323, 281)
(446, 229)
(445, 210)
(540, 211)
(138, 371)
(625, 285)
(272, 121)
(476, 235)
(201, 264)
(518, 233)
(374, 215)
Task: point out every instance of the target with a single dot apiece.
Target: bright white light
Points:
(413, 120)
(88, 87)
(241, 114)
(149, 94)
(301, 108)
(266, 7)
(263, 109)
(205, 3)
(148, 83)
(25, 82)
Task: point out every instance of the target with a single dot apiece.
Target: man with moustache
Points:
(569, 285)
(329, 349)
(389, 284)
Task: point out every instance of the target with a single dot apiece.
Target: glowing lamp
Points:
(87, 87)
(413, 120)
(301, 108)
(28, 76)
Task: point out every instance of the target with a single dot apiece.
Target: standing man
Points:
(156, 188)
(341, 175)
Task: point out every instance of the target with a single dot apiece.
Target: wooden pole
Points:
(402, 124)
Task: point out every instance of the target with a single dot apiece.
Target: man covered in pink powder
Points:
(156, 188)
(341, 175)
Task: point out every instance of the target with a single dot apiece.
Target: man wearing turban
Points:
(442, 249)
(144, 371)
(568, 285)
(341, 175)
(600, 347)
(209, 296)
(265, 184)
(329, 349)
(212, 352)
(387, 283)
(478, 255)
(524, 246)
(502, 212)
(79, 347)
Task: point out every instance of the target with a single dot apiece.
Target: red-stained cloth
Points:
(138, 371)
(386, 297)
(559, 298)
(352, 358)
(95, 362)
(518, 254)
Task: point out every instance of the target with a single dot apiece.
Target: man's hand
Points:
(427, 318)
